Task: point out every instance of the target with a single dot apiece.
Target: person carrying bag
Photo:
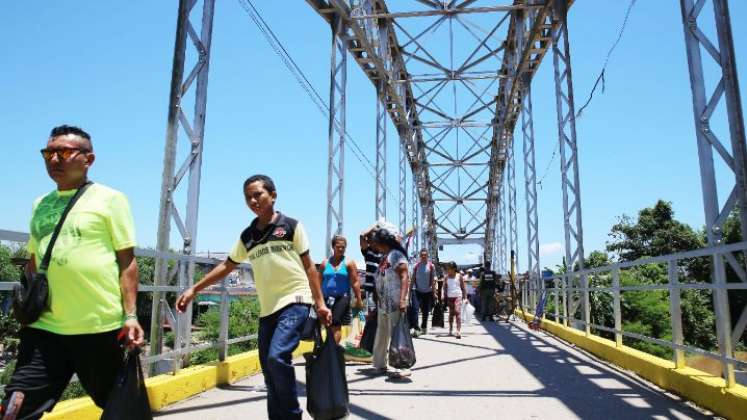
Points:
(30, 298)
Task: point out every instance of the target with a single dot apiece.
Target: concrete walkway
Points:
(495, 371)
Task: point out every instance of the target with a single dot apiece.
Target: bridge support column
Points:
(503, 240)
(574, 243)
(402, 188)
(380, 199)
(726, 90)
(414, 216)
(194, 127)
(530, 189)
(336, 151)
(381, 117)
(513, 237)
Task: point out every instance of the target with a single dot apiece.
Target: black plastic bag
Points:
(401, 350)
(128, 399)
(326, 384)
(438, 315)
(369, 332)
(412, 309)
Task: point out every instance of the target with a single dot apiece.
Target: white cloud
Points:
(553, 248)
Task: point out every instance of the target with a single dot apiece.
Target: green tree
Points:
(9, 327)
(8, 270)
(600, 302)
(655, 232)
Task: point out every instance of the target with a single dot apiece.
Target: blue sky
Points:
(106, 66)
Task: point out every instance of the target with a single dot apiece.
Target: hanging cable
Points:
(547, 168)
(600, 78)
(304, 82)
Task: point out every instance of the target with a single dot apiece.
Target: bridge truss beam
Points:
(530, 190)
(194, 127)
(402, 190)
(566, 109)
(528, 39)
(380, 199)
(337, 108)
(733, 155)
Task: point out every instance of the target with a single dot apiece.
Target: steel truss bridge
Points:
(459, 114)
(455, 80)
(456, 112)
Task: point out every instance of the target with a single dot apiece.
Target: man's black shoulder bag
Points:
(31, 296)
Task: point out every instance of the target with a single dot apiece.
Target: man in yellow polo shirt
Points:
(92, 285)
(287, 284)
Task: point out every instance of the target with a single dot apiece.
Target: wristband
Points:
(131, 316)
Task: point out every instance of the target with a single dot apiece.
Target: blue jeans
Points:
(278, 335)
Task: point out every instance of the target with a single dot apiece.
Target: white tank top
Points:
(453, 288)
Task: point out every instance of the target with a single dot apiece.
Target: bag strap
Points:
(48, 255)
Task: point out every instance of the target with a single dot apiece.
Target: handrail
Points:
(564, 290)
(221, 344)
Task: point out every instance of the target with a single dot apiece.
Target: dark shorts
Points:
(46, 362)
(340, 307)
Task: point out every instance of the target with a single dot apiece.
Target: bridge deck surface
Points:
(494, 371)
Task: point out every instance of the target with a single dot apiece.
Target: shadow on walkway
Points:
(588, 388)
(550, 380)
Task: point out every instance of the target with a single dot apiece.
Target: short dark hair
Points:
(452, 265)
(338, 238)
(267, 182)
(63, 130)
(423, 250)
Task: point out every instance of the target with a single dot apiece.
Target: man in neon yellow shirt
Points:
(93, 283)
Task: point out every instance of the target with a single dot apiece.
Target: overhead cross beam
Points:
(456, 148)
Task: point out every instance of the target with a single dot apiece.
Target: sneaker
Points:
(459, 336)
(404, 373)
(415, 333)
(354, 354)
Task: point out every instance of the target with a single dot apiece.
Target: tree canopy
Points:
(655, 232)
